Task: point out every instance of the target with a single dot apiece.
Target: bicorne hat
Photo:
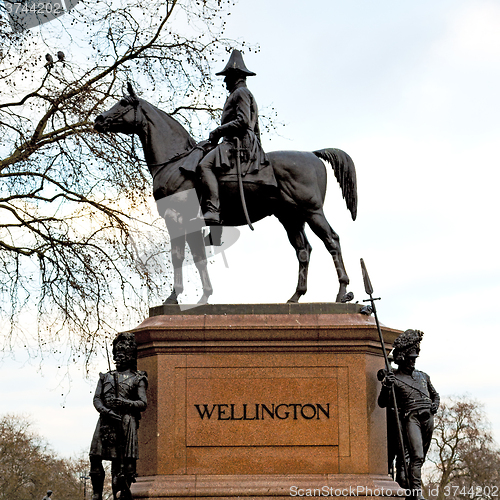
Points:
(236, 65)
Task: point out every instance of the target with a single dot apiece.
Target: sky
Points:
(410, 91)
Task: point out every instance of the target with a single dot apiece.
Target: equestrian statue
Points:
(234, 182)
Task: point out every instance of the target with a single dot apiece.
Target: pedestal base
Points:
(266, 486)
(262, 401)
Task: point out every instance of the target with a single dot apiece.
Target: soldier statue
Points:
(239, 125)
(120, 398)
(417, 402)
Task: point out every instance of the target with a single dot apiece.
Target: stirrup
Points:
(212, 218)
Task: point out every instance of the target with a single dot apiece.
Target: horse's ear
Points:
(131, 91)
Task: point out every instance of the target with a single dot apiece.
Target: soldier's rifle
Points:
(369, 291)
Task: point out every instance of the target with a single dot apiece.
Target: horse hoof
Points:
(203, 300)
(294, 299)
(172, 299)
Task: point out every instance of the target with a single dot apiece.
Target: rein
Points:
(132, 150)
(173, 159)
(161, 165)
(134, 105)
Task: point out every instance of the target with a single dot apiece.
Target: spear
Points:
(107, 355)
(369, 291)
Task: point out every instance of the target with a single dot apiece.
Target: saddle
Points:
(264, 175)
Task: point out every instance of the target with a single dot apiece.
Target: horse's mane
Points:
(172, 122)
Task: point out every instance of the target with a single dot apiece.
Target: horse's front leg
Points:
(178, 248)
(177, 251)
(197, 246)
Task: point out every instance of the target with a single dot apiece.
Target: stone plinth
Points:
(255, 400)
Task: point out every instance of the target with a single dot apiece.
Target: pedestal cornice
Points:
(313, 327)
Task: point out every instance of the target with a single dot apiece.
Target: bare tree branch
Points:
(79, 243)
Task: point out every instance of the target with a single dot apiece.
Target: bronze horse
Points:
(299, 197)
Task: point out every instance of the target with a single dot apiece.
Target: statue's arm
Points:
(433, 395)
(98, 400)
(257, 129)
(384, 398)
(241, 123)
(140, 403)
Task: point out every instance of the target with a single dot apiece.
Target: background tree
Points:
(76, 237)
(28, 468)
(464, 459)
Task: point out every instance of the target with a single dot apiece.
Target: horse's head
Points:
(162, 137)
(122, 117)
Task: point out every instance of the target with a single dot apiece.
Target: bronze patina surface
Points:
(291, 185)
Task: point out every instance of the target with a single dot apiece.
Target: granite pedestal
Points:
(262, 401)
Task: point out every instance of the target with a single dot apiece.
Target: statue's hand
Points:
(389, 379)
(118, 403)
(434, 408)
(114, 416)
(214, 136)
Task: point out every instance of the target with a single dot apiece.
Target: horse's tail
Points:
(345, 172)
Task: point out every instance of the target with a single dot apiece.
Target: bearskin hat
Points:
(406, 341)
(126, 342)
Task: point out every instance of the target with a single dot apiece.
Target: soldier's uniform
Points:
(120, 397)
(240, 119)
(417, 401)
(107, 433)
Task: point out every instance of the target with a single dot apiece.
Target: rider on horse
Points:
(239, 124)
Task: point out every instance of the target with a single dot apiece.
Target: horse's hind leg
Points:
(318, 223)
(298, 240)
(197, 246)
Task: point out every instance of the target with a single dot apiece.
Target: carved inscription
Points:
(247, 411)
(260, 411)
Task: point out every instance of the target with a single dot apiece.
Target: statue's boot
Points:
(97, 480)
(212, 212)
(96, 477)
(208, 179)
(416, 477)
(214, 237)
(211, 218)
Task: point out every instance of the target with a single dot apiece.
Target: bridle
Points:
(132, 103)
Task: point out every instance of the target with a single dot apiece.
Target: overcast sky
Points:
(410, 91)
